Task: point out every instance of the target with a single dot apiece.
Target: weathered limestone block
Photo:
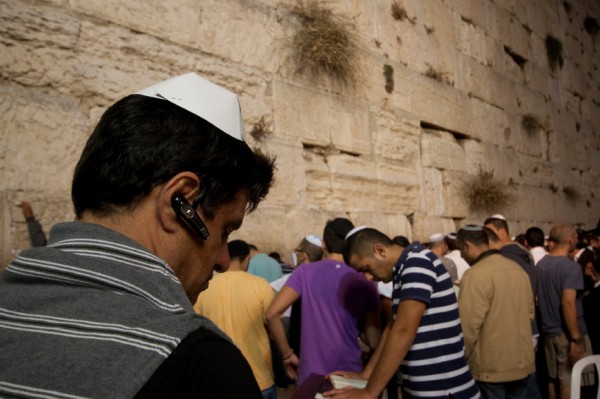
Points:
(474, 156)
(275, 228)
(39, 151)
(433, 191)
(175, 21)
(391, 224)
(424, 226)
(318, 119)
(396, 139)
(524, 141)
(486, 122)
(453, 194)
(398, 189)
(39, 25)
(290, 179)
(435, 102)
(475, 43)
(502, 161)
(440, 150)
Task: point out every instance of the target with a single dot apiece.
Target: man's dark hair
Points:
(334, 234)
(534, 237)
(491, 235)
(141, 142)
(401, 240)
(238, 249)
(472, 234)
(497, 223)
(361, 243)
(451, 241)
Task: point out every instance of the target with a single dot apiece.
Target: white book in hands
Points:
(342, 382)
(338, 382)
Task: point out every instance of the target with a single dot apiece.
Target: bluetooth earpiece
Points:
(189, 216)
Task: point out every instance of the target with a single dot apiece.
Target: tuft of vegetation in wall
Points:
(554, 50)
(484, 193)
(399, 12)
(325, 43)
(388, 74)
(433, 73)
(571, 193)
(260, 130)
(531, 124)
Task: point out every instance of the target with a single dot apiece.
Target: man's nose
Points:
(222, 264)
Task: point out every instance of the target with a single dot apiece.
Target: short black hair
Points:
(497, 223)
(361, 243)
(472, 234)
(401, 240)
(491, 235)
(534, 237)
(238, 249)
(141, 142)
(334, 234)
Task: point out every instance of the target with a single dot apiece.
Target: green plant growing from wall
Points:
(531, 124)
(484, 193)
(388, 73)
(554, 50)
(325, 43)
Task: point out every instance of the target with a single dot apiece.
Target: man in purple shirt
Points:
(336, 302)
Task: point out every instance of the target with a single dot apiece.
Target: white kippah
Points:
(211, 102)
(498, 216)
(355, 230)
(452, 236)
(314, 239)
(437, 237)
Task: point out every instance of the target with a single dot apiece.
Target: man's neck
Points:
(334, 256)
(559, 250)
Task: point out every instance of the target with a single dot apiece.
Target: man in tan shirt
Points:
(496, 309)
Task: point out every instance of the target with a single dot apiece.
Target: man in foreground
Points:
(105, 310)
(425, 339)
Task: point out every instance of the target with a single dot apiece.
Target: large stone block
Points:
(440, 150)
(453, 192)
(176, 21)
(319, 119)
(396, 139)
(39, 151)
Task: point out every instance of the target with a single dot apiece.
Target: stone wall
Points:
(391, 150)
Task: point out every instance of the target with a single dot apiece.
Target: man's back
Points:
(435, 362)
(103, 314)
(266, 267)
(334, 298)
(496, 308)
(556, 274)
(236, 302)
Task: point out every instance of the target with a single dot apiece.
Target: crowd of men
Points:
(144, 295)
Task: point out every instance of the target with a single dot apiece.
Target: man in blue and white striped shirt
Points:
(425, 340)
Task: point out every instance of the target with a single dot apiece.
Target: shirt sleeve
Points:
(204, 365)
(572, 276)
(296, 279)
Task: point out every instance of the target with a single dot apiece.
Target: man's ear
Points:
(379, 251)
(186, 184)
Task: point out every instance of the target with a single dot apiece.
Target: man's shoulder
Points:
(201, 365)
